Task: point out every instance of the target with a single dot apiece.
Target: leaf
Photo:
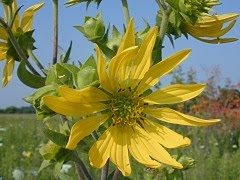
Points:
(62, 176)
(87, 76)
(58, 167)
(90, 62)
(45, 164)
(56, 137)
(28, 78)
(67, 55)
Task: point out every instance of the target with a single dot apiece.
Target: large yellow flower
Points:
(25, 24)
(127, 109)
(210, 29)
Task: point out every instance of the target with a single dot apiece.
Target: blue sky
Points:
(227, 55)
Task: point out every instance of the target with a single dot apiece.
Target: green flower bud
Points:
(187, 162)
(93, 29)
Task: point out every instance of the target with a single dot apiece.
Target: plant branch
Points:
(126, 11)
(115, 175)
(37, 62)
(81, 168)
(55, 31)
(17, 46)
(105, 168)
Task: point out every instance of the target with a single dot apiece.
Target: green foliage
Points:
(74, 2)
(29, 79)
(7, 2)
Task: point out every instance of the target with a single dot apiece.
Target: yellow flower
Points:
(127, 109)
(25, 24)
(210, 29)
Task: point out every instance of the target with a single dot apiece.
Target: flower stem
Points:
(79, 172)
(37, 62)
(115, 175)
(126, 11)
(55, 31)
(166, 10)
(104, 174)
(81, 168)
(17, 46)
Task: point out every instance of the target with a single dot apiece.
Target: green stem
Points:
(55, 31)
(17, 46)
(105, 168)
(166, 10)
(37, 62)
(10, 15)
(115, 175)
(126, 11)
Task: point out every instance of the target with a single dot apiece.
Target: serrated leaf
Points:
(28, 78)
(56, 137)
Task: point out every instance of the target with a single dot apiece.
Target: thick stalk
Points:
(126, 11)
(55, 31)
(36, 61)
(81, 167)
(79, 172)
(17, 46)
(105, 168)
(115, 175)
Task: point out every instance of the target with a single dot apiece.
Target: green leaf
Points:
(90, 62)
(45, 164)
(67, 55)
(62, 176)
(28, 78)
(58, 167)
(56, 137)
(87, 76)
(49, 150)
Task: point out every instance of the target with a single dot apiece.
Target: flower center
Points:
(126, 108)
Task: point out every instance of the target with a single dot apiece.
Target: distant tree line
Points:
(16, 110)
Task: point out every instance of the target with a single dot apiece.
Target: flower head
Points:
(127, 109)
(25, 24)
(210, 29)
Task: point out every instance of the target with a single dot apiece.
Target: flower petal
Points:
(118, 63)
(27, 19)
(218, 19)
(128, 39)
(175, 117)
(100, 151)
(86, 95)
(165, 136)
(3, 54)
(143, 60)
(155, 150)
(83, 128)
(101, 68)
(160, 69)
(64, 107)
(8, 72)
(3, 34)
(119, 151)
(139, 152)
(217, 41)
(174, 94)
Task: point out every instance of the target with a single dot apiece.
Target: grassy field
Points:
(217, 156)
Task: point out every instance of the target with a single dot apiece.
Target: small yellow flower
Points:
(25, 24)
(210, 29)
(124, 105)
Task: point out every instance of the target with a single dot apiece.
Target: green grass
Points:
(215, 159)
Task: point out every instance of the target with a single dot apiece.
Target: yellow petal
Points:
(128, 39)
(118, 63)
(27, 19)
(175, 117)
(3, 54)
(217, 41)
(218, 19)
(64, 107)
(16, 23)
(3, 34)
(143, 60)
(101, 68)
(139, 152)
(160, 69)
(119, 151)
(165, 136)
(174, 94)
(86, 95)
(100, 151)
(83, 128)
(155, 150)
(8, 72)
